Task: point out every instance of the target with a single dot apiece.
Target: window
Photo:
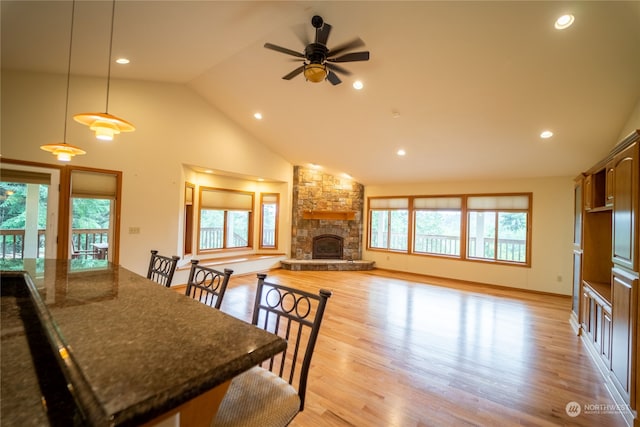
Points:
(389, 224)
(92, 214)
(492, 228)
(269, 220)
(225, 219)
(437, 225)
(498, 227)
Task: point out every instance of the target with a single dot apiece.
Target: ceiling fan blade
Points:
(294, 73)
(337, 69)
(322, 34)
(351, 57)
(333, 78)
(353, 44)
(283, 50)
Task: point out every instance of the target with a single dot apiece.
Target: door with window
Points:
(93, 215)
(28, 211)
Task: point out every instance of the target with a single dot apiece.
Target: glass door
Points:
(28, 211)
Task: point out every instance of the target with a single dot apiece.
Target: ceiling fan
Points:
(318, 59)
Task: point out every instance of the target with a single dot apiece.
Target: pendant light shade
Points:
(106, 125)
(63, 151)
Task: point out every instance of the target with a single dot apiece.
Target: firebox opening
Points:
(327, 246)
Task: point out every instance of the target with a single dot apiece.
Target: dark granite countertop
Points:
(131, 348)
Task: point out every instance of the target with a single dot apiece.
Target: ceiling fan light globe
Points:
(315, 72)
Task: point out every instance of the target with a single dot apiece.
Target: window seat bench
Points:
(240, 264)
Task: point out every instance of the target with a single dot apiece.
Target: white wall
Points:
(174, 126)
(552, 236)
(632, 124)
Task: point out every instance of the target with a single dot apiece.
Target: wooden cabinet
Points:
(588, 192)
(605, 262)
(599, 190)
(597, 325)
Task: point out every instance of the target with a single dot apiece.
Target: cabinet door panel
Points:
(625, 189)
(623, 326)
(577, 280)
(606, 339)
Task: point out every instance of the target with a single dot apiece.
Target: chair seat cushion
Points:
(258, 398)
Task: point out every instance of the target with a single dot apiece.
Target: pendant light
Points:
(106, 125)
(63, 151)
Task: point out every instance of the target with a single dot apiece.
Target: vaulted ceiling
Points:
(465, 88)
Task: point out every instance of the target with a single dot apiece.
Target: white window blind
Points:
(93, 184)
(518, 201)
(392, 203)
(269, 198)
(26, 177)
(226, 200)
(437, 203)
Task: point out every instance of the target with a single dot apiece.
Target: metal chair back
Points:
(207, 285)
(295, 315)
(162, 268)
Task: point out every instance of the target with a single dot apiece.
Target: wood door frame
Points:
(64, 204)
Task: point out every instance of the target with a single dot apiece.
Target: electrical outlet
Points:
(134, 230)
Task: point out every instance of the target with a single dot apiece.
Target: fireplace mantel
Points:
(329, 215)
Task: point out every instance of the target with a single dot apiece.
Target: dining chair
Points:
(161, 268)
(273, 393)
(207, 285)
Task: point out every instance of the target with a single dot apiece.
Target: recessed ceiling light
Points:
(260, 179)
(122, 61)
(357, 85)
(546, 134)
(258, 116)
(208, 171)
(564, 21)
(401, 152)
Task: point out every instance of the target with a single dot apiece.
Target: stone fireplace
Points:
(327, 246)
(325, 205)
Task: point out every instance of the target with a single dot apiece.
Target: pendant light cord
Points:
(113, 12)
(66, 107)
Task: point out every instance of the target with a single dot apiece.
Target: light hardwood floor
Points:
(407, 350)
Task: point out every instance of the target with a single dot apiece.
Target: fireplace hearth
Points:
(327, 246)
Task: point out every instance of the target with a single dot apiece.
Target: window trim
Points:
(464, 220)
(276, 231)
(391, 206)
(250, 221)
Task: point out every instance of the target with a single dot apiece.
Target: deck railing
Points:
(507, 249)
(212, 238)
(12, 241)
